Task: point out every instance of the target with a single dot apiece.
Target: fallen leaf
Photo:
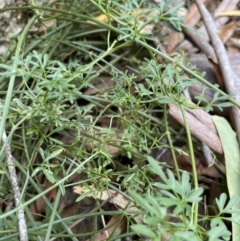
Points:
(227, 31)
(197, 127)
(214, 171)
(235, 41)
(106, 140)
(193, 15)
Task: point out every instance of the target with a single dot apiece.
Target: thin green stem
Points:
(207, 83)
(193, 162)
(4, 215)
(53, 215)
(170, 141)
(137, 40)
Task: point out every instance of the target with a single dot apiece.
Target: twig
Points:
(200, 41)
(231, 81)
(13, 178)
(204, 118)
(226, 5)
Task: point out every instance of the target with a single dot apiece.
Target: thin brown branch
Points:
(231, 81)
(226, 5)
(13, 178)
(200, 41)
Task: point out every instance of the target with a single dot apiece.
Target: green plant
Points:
(169, 213)
(55, 128)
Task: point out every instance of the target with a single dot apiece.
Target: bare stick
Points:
(13, 178)
(231, 81)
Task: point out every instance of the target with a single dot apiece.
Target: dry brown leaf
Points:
(116, 198)
(197, 128)
(227, 31)
(235, 41)
(45, 25)
(85, 224)
(231, 49)
(174, 39)
(193, 15)
(188, 47)
(203, 117)
(39, 206)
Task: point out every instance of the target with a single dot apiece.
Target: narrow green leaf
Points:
(157, 168)
(42, 153)
(202, 98)
(49, 175)
(54, 154)
(232, 163)
(231, 153)
(143, 230)
(36, 171)
(141, 201)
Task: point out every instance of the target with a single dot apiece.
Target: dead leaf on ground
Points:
(227, 31)
(174, 39)
(235, 41)
(116, 198)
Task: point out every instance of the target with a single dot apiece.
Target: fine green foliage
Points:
(217, 101)
(88, 92)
